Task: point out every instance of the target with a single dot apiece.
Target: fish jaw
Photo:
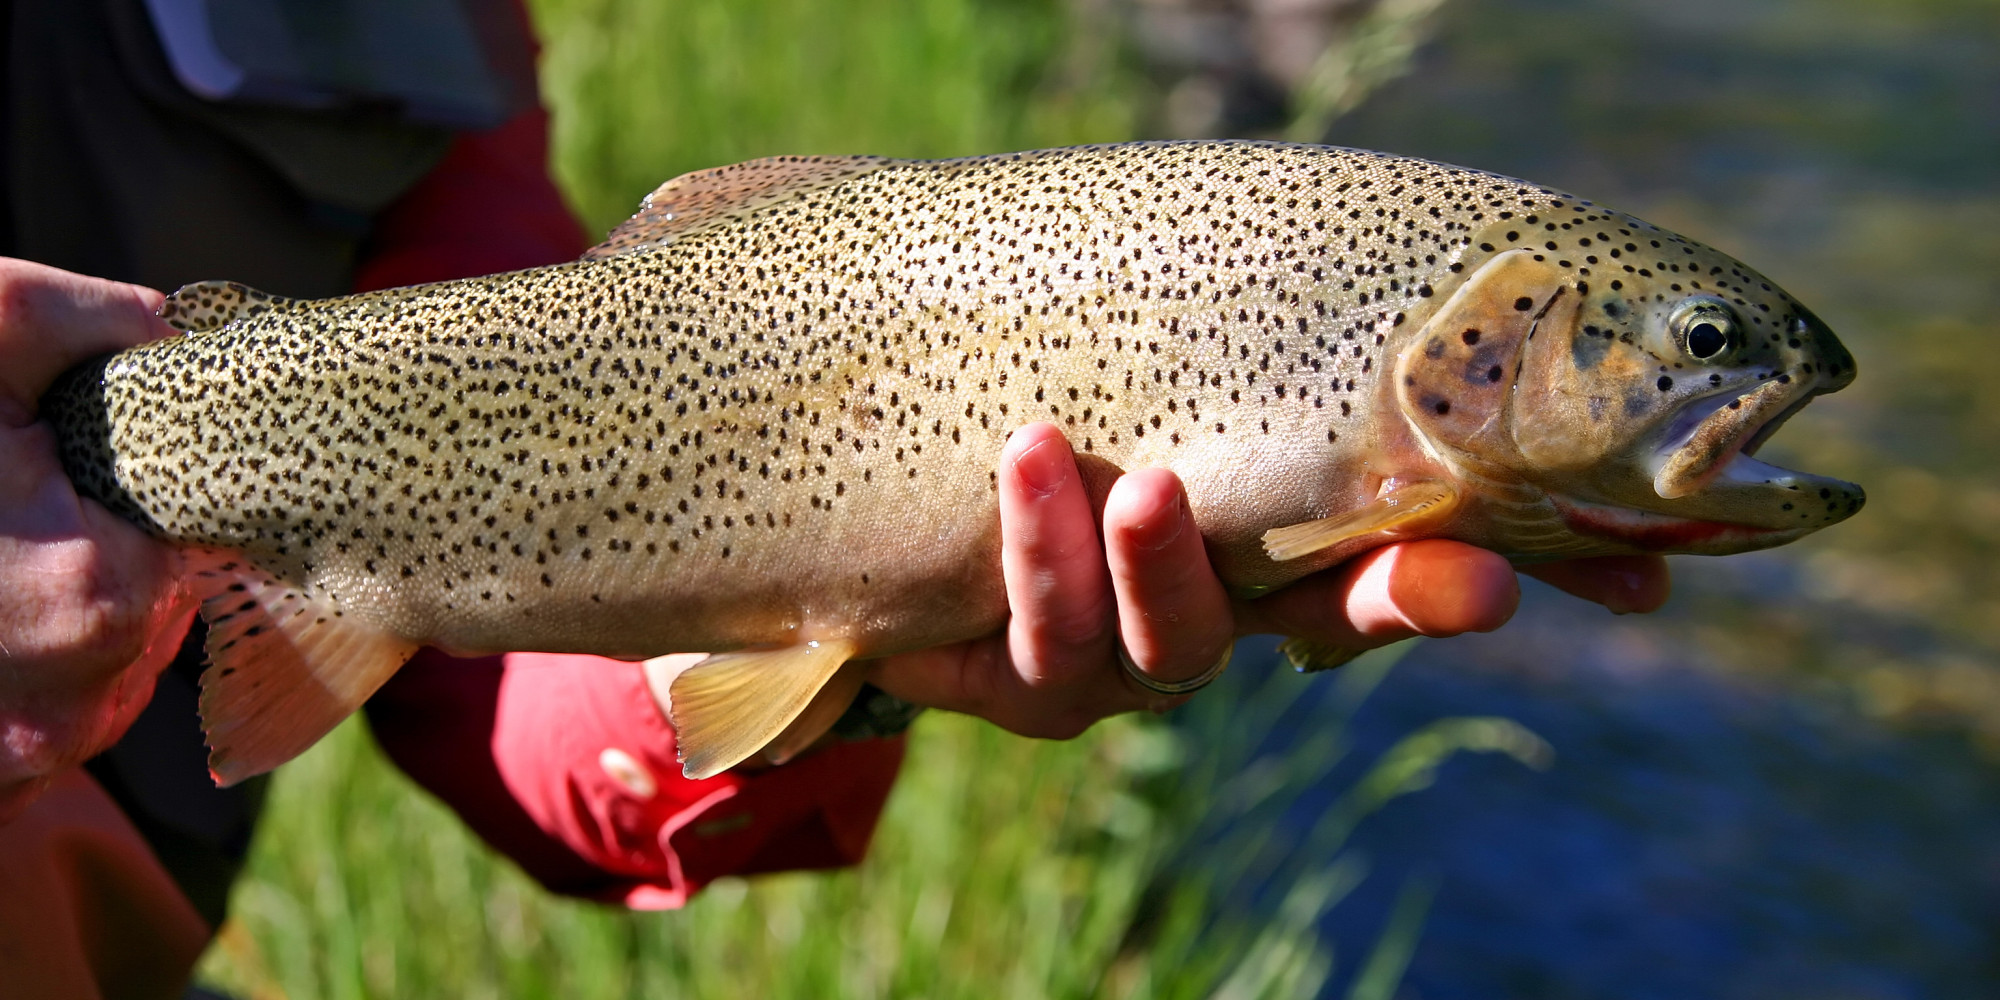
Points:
(1685, 465)
(1708, 466)
(1713, 496)
(1749, 505)
(1700, 489)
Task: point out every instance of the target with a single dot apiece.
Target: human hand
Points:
(1053, 673)
(89, 614)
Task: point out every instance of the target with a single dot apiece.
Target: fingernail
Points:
(1041, 468)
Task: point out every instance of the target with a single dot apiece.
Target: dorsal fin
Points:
(206, 305)
(695, 201)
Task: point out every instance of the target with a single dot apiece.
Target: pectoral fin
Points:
(1309, 657)
(284, 666)
(731, 705)
(1405, 508)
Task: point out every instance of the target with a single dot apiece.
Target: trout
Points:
(761, 419)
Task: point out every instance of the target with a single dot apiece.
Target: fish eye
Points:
(1706, 329)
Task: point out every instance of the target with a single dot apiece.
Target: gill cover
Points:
(1455, 380)
(1587, 390)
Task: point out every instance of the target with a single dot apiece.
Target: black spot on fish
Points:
(1470, 336)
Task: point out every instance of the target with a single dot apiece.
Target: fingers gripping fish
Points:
(761, 418)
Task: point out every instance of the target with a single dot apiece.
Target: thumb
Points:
(52, 319)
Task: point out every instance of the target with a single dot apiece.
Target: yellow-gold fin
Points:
(206, 305)
(1309, 657)
(731, 705)
(1404, 508)
(826, 709)
(695, 201)
(284, 667)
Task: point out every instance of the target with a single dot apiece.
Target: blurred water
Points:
(1783, 785)
(1693, 837)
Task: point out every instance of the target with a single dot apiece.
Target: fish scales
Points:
(751, 404)
(767, 413)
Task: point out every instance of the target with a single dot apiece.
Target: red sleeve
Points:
(488, 206)
(565, 764)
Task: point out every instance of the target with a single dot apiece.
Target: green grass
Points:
(645, 91)
(1003, 867)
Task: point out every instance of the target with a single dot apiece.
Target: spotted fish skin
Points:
(769, 412)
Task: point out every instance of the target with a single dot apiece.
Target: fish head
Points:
(1635, 397)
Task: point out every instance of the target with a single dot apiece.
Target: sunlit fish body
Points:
(764, 415)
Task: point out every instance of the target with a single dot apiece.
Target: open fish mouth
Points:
(1720, 498)
(1718, 435)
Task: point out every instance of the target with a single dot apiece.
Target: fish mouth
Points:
(1723, 499)
(1716, 434)
(1713, 494)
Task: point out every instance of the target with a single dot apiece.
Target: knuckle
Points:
(19, 302)
(978, 683)
(1070, 627)
(83, 618)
